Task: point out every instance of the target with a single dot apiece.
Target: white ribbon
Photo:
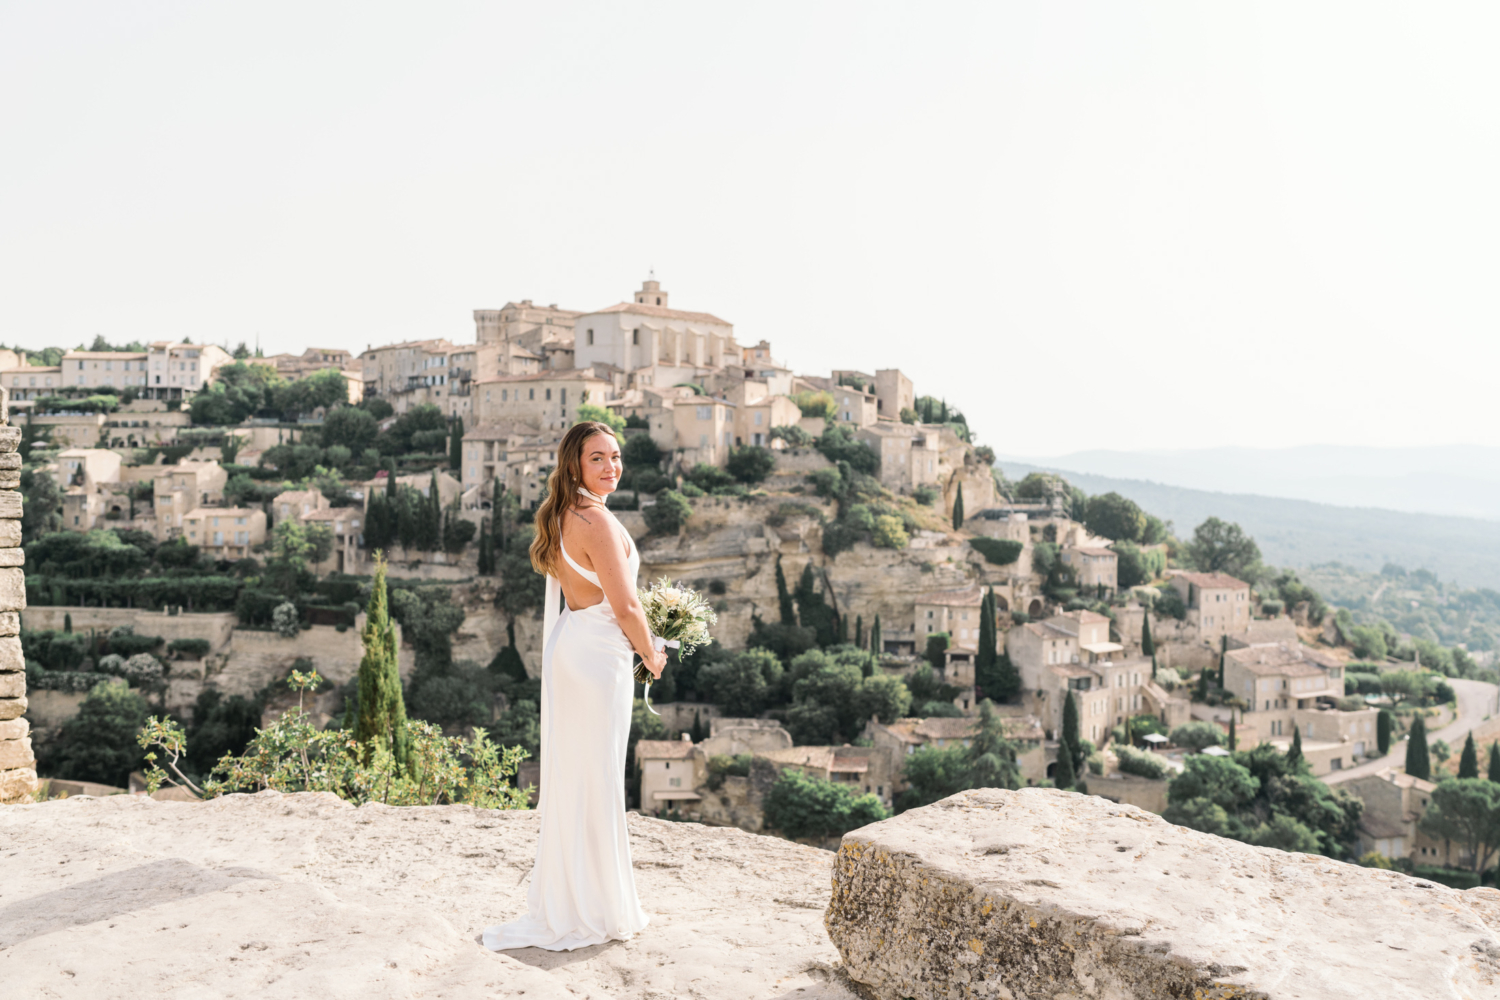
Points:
(657, 643)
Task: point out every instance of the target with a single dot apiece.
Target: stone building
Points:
(1217, 604)
(903, 737)
(225, 532)
(657, 345)
(543, 333)
(547, 401)
(1093, 567)
(1394, 803)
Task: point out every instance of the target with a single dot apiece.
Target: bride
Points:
(582, 887)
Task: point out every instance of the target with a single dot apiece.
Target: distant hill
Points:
(1301, 534)
(1458, 480)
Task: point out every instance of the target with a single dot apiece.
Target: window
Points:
(531, 394)
(635, 337)
(705, 413)
(759, 418)
(589, 337)
(562, 394)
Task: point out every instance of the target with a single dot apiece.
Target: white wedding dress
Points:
(582, 886)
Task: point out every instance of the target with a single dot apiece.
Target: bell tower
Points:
(651, 293)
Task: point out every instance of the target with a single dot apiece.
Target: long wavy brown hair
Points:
(562, 494)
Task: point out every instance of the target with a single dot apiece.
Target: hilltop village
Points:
(898, 621)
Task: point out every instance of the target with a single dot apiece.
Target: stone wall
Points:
(216, 627)
(17, 763)
(1044, 893)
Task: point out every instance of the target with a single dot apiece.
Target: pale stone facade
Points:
(1217, 603)
(547, 401)
(181, 489)
(31, 382)
(1394, 803)
(537, 330)
(658, 345)
(225, 532)
(1092, 567)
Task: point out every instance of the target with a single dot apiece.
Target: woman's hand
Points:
(656, 662)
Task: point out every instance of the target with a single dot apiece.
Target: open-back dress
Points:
(582, 886)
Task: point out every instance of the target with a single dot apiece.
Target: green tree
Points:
(1063, 775)
(588, 412)
(859, 631)
(41, 505)
(751, 464)
(351, 427)
(1294, 759)
(958, 508)
(1468, 761)
(876, 644)
(1222, 547)
(1385, 723)
(812, 610)
(803, 806)
(1148, 644)
(456, 444)
(1070, 735)
(741, 684)
(1418, 764)
(1494, 768)
(382, 712)
(1402, 685)
(1466, 810)
(989, 761)
(984, 655)
(1115, 517)
(670, 512)
(98, 743)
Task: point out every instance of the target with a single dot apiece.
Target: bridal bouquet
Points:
(679, 618)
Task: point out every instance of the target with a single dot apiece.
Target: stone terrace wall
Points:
(17, 763)
(215, 626)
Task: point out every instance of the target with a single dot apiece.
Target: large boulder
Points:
(1041, 893)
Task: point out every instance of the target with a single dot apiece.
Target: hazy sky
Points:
(1113, 225)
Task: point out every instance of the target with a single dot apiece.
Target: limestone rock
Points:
(11, 686)
(10, 478)
(16, 753)
(12, 557)
(10, 621)
(11, 656)
(1044, 893)
(10, 460)
(14, 729)
(10, 532)
(13, 706)
(10, 438)
(10, 502)
(300, 896)
(13, 579)
(19, 784)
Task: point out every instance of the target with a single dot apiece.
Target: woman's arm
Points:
(603, 545)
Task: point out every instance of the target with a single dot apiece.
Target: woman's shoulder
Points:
(590, 523)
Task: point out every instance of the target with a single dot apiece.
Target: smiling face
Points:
(601, 463)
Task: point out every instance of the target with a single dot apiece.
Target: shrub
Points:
(190, 649)
(98, 744)
(925, 495)
(1169, 603)
(802, 806)
(691, 489)
(1196, 735)
(1140, 762)
(285, 620)
(826, 482)
(670, 512)
(751, 464)
(839, 445)
(143, 670)
(999, 551)
(129, 645)
(650, 481)
(792, 435)
(890, 533)
(708, 477)
(722, 765)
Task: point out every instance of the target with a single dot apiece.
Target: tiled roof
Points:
(550, 375)
(1214, 581)
(663, 750)
(1093, 551)
(1277, 659)
(662, 312)
(815, 757)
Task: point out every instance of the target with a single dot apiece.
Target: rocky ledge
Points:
(1047, 894)
(274, 895)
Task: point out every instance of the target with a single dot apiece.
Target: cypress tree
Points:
(1148, 645)
(1202, 693)
(1232, 740)
(1070, 739)
(1294, 754)
(68, 621)
(497, 504)
(1223, 652)
(1384, 724)
(1418, 763)
(696, 733)
(958, 508)
(382, 712)
(875, 642)
(1153, 668)
(390, 479)
(859, 631)
(1494, 774)
(1063, 775)
(984, 658)
(1468, 761)
(843, 629)
(456, 444)
(783, 597)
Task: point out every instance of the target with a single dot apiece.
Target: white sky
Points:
(1092, 226)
